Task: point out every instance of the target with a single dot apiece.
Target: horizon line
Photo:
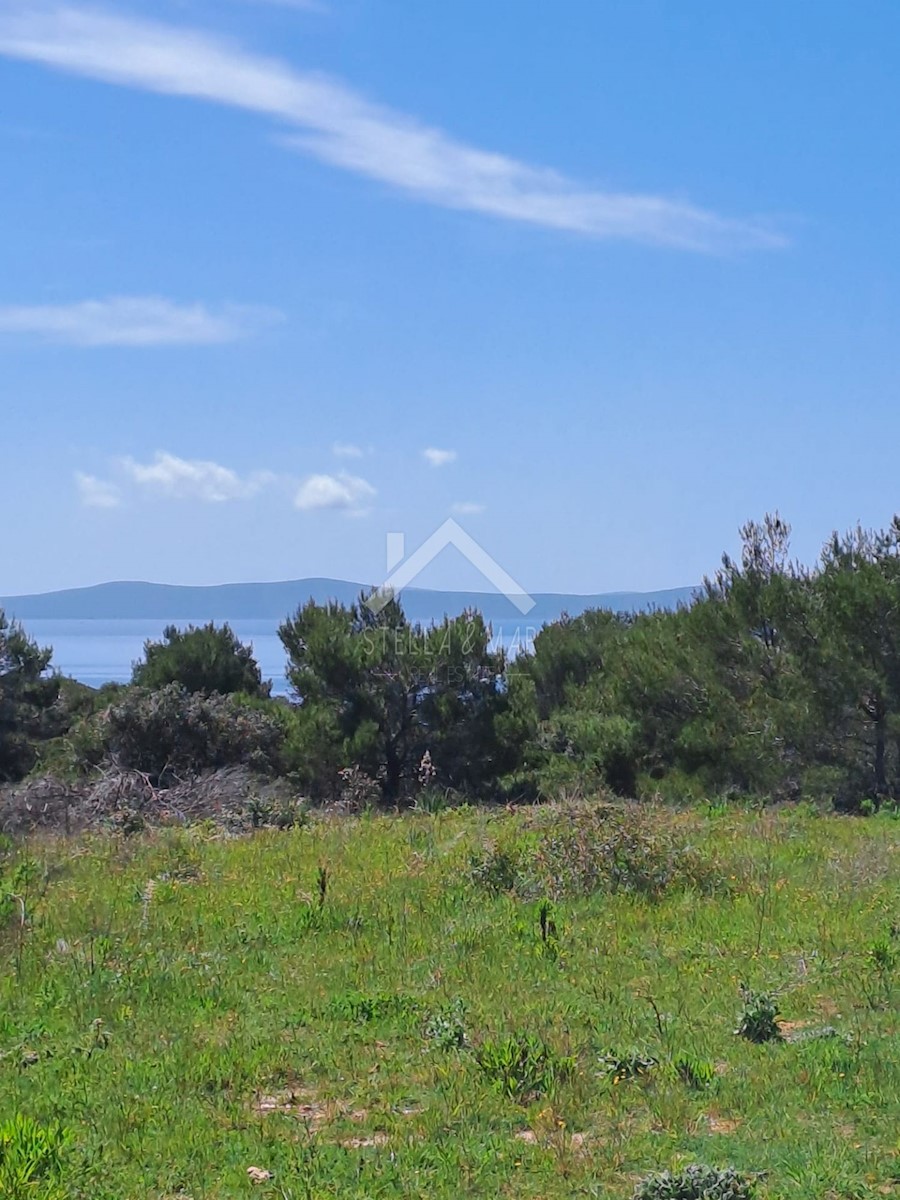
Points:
(329, 579)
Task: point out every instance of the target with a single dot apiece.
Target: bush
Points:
(579, 850)
(172, 733)
(523, 1066)
(759, 1017)
(204, 659)
(695, 1073)
(630, 1064)
(697, 1182)
(27, 697)
(497, 869)
(602, 849)
(446, 1028)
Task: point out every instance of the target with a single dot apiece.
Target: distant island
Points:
(274, 601)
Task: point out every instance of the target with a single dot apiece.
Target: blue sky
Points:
(601, 280)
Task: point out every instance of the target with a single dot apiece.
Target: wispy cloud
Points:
(340, 126)
(347, 450)
(346, 492)
(467, 508)
(438, 458)
(131, 321)
(193, 479)
(170, 477)
(97, 493)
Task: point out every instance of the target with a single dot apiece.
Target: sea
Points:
(103, 651)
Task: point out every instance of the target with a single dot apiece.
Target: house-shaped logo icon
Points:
(402, 570)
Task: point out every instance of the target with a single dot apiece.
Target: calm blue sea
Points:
(97, 652)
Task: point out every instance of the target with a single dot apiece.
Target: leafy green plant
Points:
(31, 1160)
(630, 1064)
(758, 1020)
(357, 1006)
(696, 1182)
(695, 1073)
(884, 955)
(433, 800)
(523, 1066)
(446, 1028)
(878, 979)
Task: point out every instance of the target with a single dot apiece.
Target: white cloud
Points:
(97, 493)
(342, 127)
(131, 321)
(438, 458)
(347, 450)
(342, 491)
(467, 508)
(193, 479)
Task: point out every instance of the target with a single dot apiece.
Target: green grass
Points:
(187, 1007)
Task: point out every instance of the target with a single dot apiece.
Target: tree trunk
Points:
(880, 773)
(392, 773)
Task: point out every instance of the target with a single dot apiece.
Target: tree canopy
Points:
(27, 694)
(206, 658)
(378, 692)
(778, 681)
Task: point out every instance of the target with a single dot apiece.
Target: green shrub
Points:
(695, 1073)
(31, 1160)
(580, 849)
(630, 1064)
(759, 1017)
(523, 1066)
(497, 869)
(696, 1182)
(206, 659)
(28, 697)
(434, 800)
(172, 732)
(363, 1008)
(446, 1028)
(603, 849)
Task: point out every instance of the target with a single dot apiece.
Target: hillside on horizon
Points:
(274, 601)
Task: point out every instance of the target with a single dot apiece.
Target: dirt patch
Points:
(572, 1141)
(720, 1125)
(827, 1007)
(787, 1028)
(304, 1105)
(360, 1143)
(293, 1102)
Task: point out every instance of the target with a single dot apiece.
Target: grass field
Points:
(432, 1006)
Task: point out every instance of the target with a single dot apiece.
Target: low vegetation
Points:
(347, 1009)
